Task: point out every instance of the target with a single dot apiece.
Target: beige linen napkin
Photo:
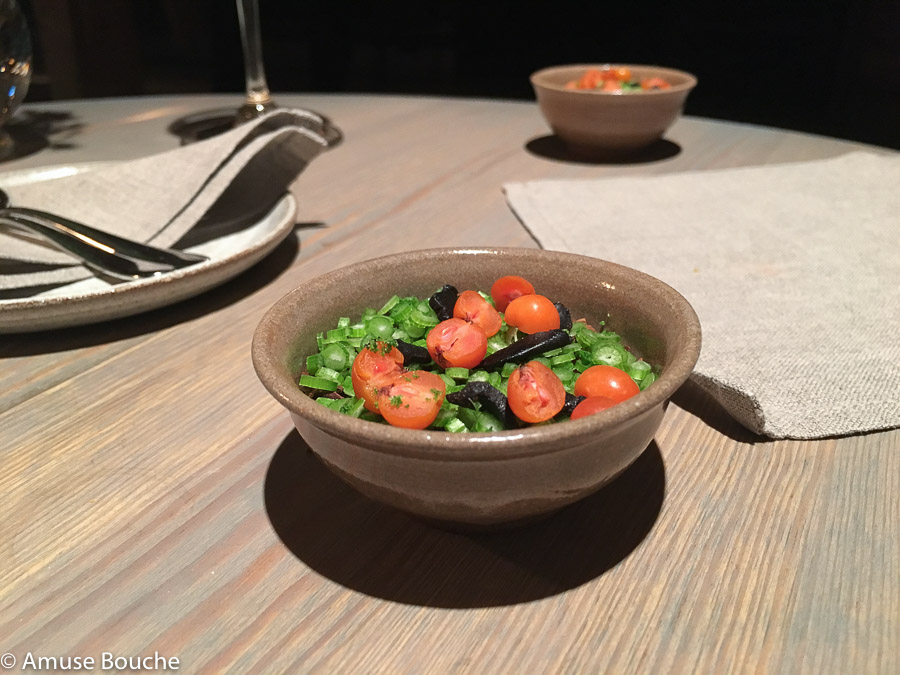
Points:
(158, 199)
(794, 271)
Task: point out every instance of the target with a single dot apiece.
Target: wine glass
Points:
(15, 66)
(257, 101)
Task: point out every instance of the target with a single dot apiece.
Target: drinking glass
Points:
(257, 101)
(15, 66)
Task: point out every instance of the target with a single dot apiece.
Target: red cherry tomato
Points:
(456, 343)
(471, 307)
(371, 364)
(611, 86)
(591, 405)
(535, 393)
(594, 78)
(619, 74)
(591, 79)
(654, 83)
(507, 289)
(532, 314)
(607, 381)
(411, 399)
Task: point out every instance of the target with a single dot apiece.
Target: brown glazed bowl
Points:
(591, 122)
(481, 480)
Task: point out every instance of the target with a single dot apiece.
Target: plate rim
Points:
(15, 313)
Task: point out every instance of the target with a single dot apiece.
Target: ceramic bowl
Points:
(481, 480)
(591, 121)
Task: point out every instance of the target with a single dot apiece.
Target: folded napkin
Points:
(794, 271)
(160, 198)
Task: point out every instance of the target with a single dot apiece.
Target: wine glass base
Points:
(201, 125)
(253, 109)
(208, 123)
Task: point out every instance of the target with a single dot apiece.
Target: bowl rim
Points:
(538, 79)
(446, 446)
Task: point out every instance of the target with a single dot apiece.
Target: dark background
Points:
(828, 67)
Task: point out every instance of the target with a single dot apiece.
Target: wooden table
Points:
(158, 500)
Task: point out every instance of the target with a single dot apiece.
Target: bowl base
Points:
(483, 528)
(597, 152)
(399, 503)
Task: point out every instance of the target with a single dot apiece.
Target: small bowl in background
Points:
(591, 121)
(481, 480)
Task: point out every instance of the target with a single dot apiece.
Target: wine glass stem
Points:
(248, 15)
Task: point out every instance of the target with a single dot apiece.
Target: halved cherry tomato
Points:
(607, 381)
(532, 314)
(620, 74)
(411, 399)
(456, 343)
(591, 79)
(507, 289)
(654, 83)
(591, 405)
(535, 393)
(368, 390)
(471, 307)
(372, 363)
(612, 85)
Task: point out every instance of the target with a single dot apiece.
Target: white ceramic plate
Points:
(94, 300)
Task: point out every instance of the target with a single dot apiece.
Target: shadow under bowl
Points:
(481, 480)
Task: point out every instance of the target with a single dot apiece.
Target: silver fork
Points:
(102, 252)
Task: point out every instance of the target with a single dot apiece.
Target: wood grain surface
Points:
(157, 499)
